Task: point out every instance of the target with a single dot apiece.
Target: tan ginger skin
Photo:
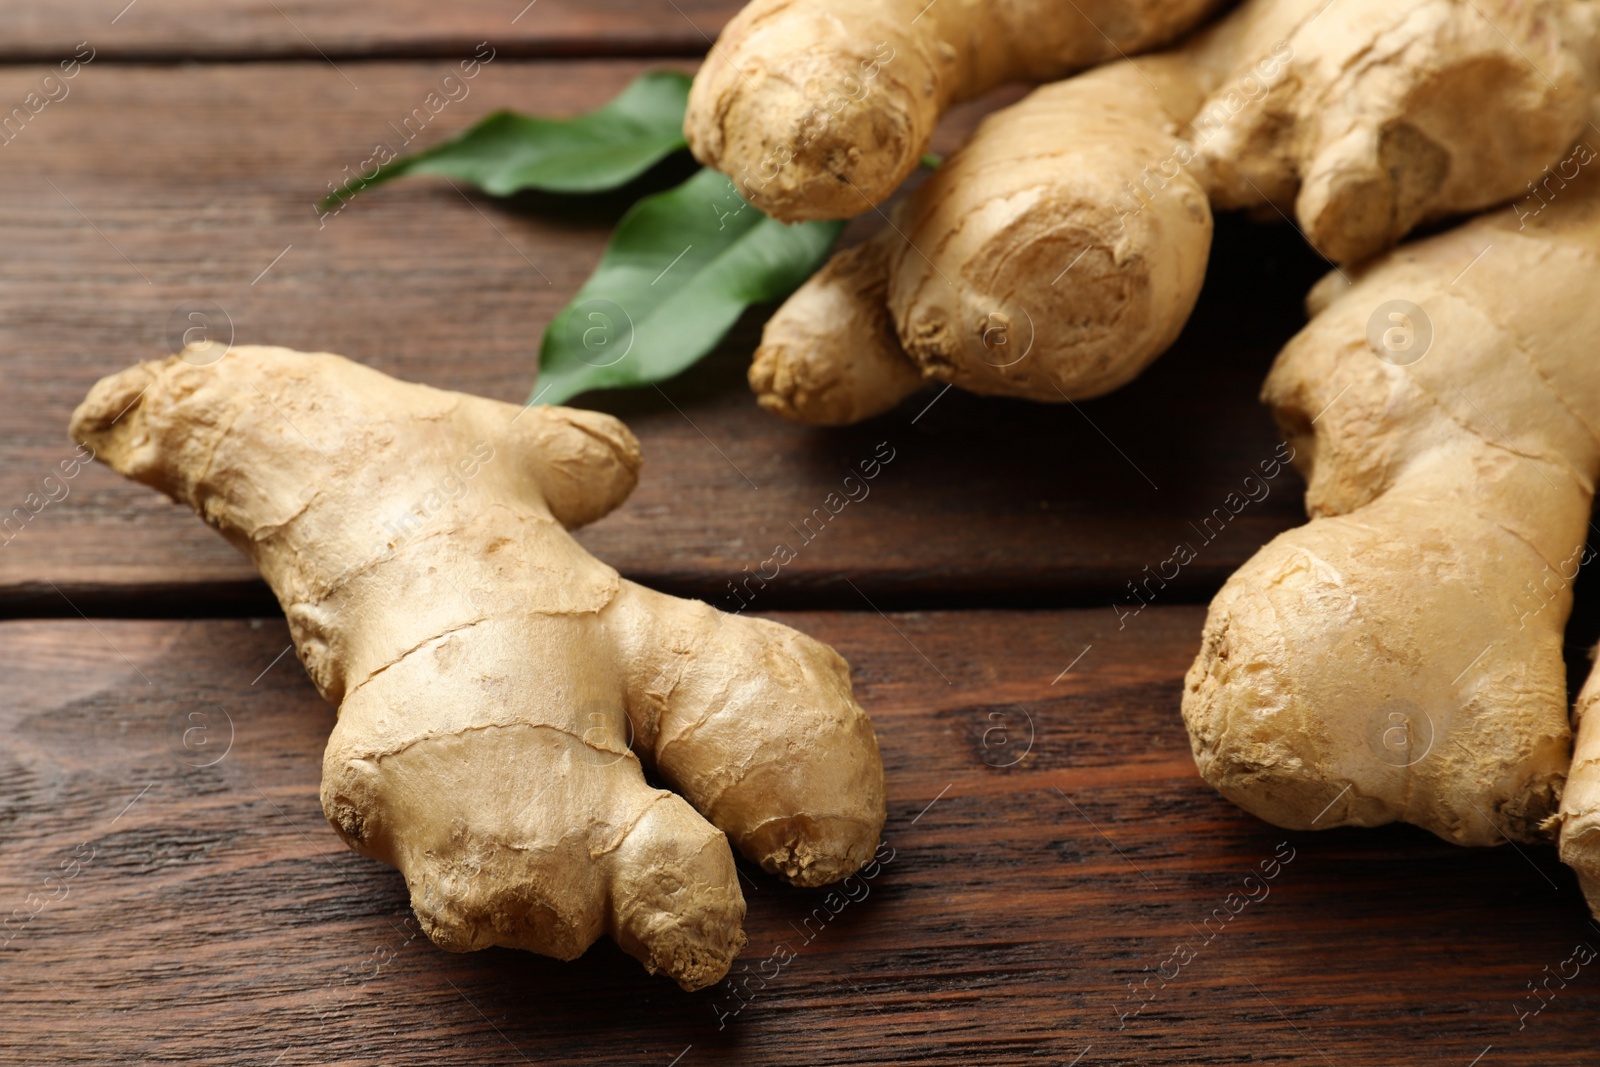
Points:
(830, 356)
(1062, 249)
(1399, 658)
(500, 691)
(818, 109)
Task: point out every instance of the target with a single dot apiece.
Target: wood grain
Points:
(151, 187)
(46, 30)
(1051, 846)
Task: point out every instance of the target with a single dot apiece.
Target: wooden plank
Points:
(47, 30)
(1052, 845)
(150, 190)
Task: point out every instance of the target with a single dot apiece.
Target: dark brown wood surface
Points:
(1052, 845)
(150, 189)
(147, 30)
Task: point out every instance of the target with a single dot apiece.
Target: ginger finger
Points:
(1391, 115)
(829, 356)
(1579, 835)
(1030, 270)
(806, 803)
(818, 110)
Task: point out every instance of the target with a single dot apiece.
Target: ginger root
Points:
(829, 356)
(1399, 658)
(818, 109)
(500, 691)
(1062, 249)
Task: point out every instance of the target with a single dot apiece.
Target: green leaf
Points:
(680, 268)
(602, 149)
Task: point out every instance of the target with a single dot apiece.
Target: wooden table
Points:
(1052, 844)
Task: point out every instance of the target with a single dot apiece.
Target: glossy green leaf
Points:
(680, 268)
(602, 149)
